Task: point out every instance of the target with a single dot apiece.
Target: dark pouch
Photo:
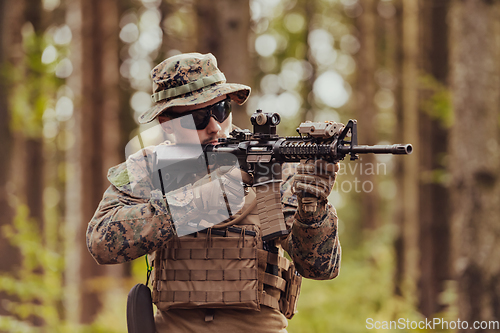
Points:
(140, 316)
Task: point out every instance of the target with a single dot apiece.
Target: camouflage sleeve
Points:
(125, 228)
(313, 242)
(132, 219)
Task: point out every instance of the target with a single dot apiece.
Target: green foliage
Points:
(437, 104)
(364, 289)
(32, 86)
(37, 285)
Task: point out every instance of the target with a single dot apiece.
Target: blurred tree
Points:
(399, 201)
(10, 41)
(474, 158)
(96, 128)
(423, 109)
(31, 87)
(168, 41)
(434, 243)
(308, 7)
(29, 137)
(126, 119)
(365, 88)
(223, 29)
(114, 118)
(31, 141)
(408, 178)
(178, 32)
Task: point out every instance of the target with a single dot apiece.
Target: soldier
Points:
(224, 278)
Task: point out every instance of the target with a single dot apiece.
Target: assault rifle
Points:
(262, 153)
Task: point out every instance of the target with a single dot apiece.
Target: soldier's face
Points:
(208, 135)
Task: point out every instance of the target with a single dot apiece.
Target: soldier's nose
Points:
(213, 126)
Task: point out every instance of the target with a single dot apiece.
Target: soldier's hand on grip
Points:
(313, 182)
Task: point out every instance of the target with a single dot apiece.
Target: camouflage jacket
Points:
(133, 219)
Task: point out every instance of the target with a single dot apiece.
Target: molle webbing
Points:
(208, 297)
(209, 253)
(208, 271)
(276, 260)
(223, 275)
(272, 222)
(208, 274)
(272, 281)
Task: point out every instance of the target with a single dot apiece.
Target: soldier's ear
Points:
(166, 124)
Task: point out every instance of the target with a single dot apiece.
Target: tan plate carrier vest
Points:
(211, 271)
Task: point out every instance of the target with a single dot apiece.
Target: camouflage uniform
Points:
(134, 219)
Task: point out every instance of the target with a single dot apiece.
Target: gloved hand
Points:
(312, 184)
(210, 190)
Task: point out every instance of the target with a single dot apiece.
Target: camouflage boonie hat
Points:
(190, 79)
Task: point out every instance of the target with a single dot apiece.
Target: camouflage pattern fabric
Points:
(133, 219)
(313, 242)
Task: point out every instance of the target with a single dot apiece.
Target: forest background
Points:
(419, 233)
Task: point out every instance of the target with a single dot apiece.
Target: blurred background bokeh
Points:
(420, 234)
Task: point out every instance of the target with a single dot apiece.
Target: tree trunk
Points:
(222, 30)
(112, 148)
(8, 15)
(96, 127)
(434, 244)
(396, 35)
(475, 162)
(409, 116)
(33, 144)
(366, 111)
(309, 9)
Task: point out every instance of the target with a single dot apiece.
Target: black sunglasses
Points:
(201, 117)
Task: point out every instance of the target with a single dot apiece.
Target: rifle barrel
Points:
(397, 149)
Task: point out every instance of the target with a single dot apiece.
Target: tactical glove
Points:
(312, 184)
